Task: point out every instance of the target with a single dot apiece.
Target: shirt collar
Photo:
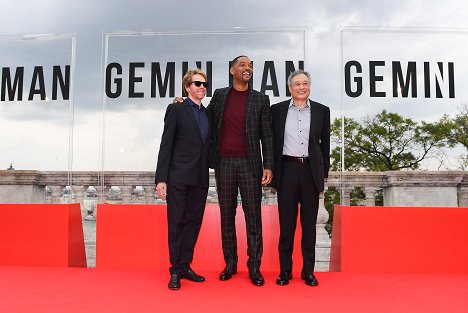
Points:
(190, 102)
(291, 103)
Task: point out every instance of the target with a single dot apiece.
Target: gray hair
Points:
(295, 73)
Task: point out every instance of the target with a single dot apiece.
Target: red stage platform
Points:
(135, 236)
(400, 239)
(132, 262)
(41, 235)
(50, 290)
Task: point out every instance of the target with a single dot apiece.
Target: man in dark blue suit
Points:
(301, 130)
(182, 173)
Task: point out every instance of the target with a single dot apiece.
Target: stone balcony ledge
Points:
(423, 178)
(393, 183)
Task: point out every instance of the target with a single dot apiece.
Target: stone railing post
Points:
(370, 195)
(346, 196)
(463, 197)
(126, 194)
(56, 193)
(149, 194)
(269, 196)
(323, 241)
(79, 197)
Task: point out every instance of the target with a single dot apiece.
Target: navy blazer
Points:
(319, 141)
(183, 157)
(257, 129)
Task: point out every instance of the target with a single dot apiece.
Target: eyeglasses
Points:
(199, 83)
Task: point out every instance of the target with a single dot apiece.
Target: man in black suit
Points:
(182, 172)
(301, 130)
(241, 121)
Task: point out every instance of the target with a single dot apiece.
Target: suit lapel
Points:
(210, 122)
(222, 103)
(314, 120)
(249, 108)
(283, 114)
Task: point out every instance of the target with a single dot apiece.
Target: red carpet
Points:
(53, 289)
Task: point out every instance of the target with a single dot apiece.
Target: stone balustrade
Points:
(402, 188)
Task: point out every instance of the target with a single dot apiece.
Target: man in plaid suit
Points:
(241, 134)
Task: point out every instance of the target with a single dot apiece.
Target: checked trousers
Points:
(232, 175)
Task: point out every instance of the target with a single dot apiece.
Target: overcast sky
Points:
(133, 135)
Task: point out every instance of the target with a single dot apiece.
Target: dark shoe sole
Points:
(312, 284)
(282, 282)
(258, 284)
(194, 280)
(225, 277)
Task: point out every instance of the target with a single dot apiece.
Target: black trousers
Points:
(232, 175)
(297, 187)
(185, 208)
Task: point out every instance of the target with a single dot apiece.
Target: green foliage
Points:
(388, 142)
(459, 130)
(357, 197)
(379, 197)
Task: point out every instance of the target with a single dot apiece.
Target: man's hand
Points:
(267, 176)
(178, 99)
(161, 190)
(325, 182)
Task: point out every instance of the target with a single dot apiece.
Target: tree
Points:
(459, 131)
(388, 142)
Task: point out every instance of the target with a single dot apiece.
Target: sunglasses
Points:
(199, 83)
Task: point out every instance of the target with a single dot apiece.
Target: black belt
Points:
(295, 159)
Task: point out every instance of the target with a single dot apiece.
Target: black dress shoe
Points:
(256, 278)
(283, 278)
(309, 278)
(174, 282)
(191, 275)
(228, 271)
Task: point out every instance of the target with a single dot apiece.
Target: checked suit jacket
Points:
(257, 129)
